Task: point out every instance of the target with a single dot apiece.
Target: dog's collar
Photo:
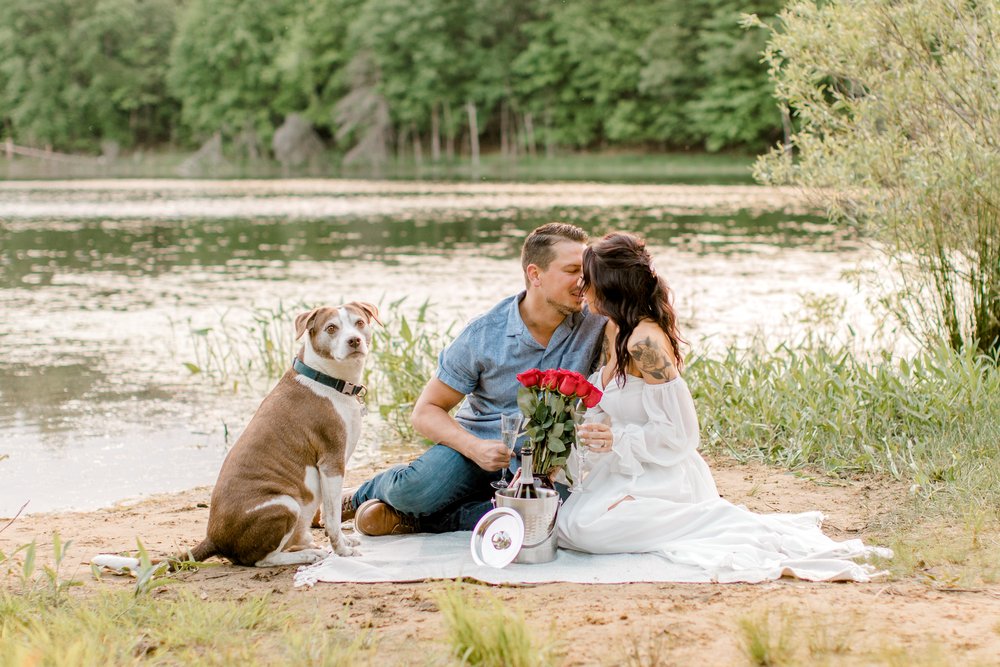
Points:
(343, 386)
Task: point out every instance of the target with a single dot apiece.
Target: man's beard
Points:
(564, 309)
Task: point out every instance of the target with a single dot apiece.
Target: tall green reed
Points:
(258, 347)
(404, 357)
(931, 418)
(47, 588)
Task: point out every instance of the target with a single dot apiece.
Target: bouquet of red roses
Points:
(549, 401)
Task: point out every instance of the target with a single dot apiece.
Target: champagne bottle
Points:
(528, 487)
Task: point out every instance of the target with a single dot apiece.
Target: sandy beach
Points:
(910, 619)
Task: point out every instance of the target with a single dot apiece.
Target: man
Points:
(448, 487)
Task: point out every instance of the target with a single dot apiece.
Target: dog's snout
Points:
(354, 342)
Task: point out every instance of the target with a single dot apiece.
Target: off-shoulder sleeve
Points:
(669, 435)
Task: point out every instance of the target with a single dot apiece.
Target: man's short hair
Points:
(537, 248)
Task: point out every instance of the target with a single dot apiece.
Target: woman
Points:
(649, 490)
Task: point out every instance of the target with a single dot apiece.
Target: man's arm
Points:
(432, 419)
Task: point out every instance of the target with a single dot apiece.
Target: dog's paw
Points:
(340, 537)
(344, 549)
(316, 555)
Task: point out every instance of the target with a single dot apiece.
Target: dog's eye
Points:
(360, 324)
(332, 329)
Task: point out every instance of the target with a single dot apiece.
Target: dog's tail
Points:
(122, 564)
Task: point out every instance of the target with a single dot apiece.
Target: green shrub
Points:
(896, 114)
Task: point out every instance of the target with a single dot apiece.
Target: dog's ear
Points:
(369, 309)
(304, 321)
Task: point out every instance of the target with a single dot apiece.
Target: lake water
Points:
(101, 283)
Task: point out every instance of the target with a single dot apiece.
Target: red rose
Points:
(593, 398)
(583, 389)
(530, 378)
(553, 379)
(543, 381)
(568, 384)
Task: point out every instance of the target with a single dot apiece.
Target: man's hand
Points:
(432, 420)
(491, 455)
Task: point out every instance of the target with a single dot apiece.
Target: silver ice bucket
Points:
(539, 517)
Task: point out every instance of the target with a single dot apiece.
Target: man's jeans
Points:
(443, 489)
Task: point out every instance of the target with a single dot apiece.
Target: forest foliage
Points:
(430, 79)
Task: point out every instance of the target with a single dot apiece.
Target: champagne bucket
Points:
(539, 516)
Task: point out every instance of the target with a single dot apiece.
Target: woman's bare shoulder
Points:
(652, 353)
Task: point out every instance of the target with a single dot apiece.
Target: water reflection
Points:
(54, 397)
(33, 257)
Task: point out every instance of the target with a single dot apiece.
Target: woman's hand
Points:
(596, 437)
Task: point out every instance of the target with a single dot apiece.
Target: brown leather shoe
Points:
(375, 518)
(347, 508)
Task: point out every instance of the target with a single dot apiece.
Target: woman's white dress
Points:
(677, 512)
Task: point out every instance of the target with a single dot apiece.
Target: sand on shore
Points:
(908, 619)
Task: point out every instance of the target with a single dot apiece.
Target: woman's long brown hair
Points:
(628, 290)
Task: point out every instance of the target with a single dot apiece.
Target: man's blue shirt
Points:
(485, 358)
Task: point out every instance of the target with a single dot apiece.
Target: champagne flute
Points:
(590, 416)
(510, 428)
(578, 415)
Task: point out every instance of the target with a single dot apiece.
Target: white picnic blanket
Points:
(448, 556)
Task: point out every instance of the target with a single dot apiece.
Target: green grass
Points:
(784, 636)
(486, 633)
(950, 552)
(767, 638)
(117, 628)
(617, 166)
(41, 623)
(620, 166)
(650, 649)
(932, 420)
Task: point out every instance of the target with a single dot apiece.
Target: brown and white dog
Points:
(290, 459)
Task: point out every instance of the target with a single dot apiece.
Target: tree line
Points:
(430, 79)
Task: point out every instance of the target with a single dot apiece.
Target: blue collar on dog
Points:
(342, 386)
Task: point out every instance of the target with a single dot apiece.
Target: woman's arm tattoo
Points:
(651, 359)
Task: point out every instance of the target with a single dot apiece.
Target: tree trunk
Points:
(549, 148)
(529, 134)
(449, 133)
(515, 133)
(418, 148)
(401, 142)
(786, 126)
(435, 134)
(504, 130)
(470, 110)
